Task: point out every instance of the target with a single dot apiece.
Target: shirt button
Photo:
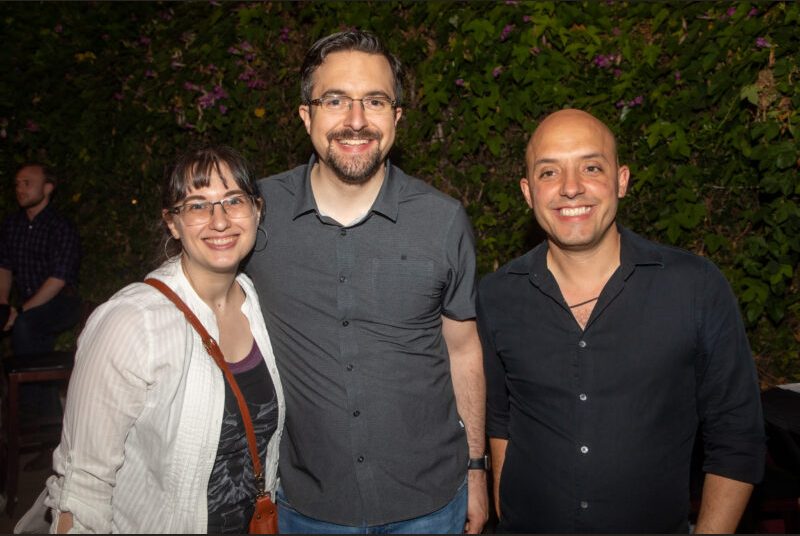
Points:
(583, 397)
(349, 367)
(582, 344)
(356, 413)
(345, 323)
(584, 505)
(360, 459)
(343, 232)
(584, 449)
(342, 279)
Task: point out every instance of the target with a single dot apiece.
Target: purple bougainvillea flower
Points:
(144, 40)
(496, 71)
(677, 75)
(284, 36)
(257, 84)
(31, 126)
(752, 13)
(616, 31)
(223, 109)
(602, 61)
(233, 50)
(526, 18)
(637, 101)
(460, 82)
(617, 73)
(762, 42)
(189, 86)
(149, 73)
(506, 32)
(619, 104)
(512, 2)
(535, 51)
(118, 96)
(731, 11)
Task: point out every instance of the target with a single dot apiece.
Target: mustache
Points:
(350, 134)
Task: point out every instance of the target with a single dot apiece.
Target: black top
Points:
(354, 313)
(601, 422)
(232, 485)
(33, 250)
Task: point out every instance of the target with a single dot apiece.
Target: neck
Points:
(34, 211)
(342, 201)
(585, 271)
(217, 290)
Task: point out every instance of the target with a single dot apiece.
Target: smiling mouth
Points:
(220, 242)
(354, 143)
(574, 211)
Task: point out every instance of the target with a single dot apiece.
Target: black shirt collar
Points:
(634, 251)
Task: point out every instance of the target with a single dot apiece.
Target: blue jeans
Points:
(449, 519)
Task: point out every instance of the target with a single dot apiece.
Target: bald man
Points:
(604, 353)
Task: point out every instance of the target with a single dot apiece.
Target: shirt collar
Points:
(386, 203)
(634, 251)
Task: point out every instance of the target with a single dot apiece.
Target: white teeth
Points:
(220, 241)
(353, 142)
(576, 211)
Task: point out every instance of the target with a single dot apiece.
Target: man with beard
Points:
(604, 352)
(40, 255)
(367, 286)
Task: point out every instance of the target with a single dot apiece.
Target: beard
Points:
(30, 201)
(352, 169)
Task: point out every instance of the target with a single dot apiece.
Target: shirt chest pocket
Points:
(403, 289)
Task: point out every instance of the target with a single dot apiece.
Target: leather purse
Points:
(265, 515)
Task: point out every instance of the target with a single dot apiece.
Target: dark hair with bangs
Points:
(193, 170)
(353, 40)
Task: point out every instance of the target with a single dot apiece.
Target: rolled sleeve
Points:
(729, 403)
(107, 393)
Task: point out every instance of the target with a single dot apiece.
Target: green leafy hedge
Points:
(702, 97)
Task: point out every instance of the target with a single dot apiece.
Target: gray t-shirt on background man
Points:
(354, 313)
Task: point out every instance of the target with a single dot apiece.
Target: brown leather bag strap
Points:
(213, 350)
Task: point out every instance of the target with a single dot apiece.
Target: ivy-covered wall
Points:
(702, 96)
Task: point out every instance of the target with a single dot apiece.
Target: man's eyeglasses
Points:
(235, 207)
(377, 104)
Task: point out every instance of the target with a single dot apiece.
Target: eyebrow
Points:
(342, 93)
(556, 160)
(227, 194)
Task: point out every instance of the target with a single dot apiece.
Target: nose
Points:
(571, 184)
(356, 117)
(219, 218)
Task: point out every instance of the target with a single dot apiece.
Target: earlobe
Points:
(525, 186)
(623, 176)
(168, 221)
(305, 114)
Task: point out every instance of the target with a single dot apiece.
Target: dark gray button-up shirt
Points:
(354, 313)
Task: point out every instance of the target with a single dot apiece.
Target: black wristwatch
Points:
(481, 464)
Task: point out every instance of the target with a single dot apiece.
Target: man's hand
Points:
(12, 316)
(477, 502)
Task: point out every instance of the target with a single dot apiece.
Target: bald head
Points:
(563, 125)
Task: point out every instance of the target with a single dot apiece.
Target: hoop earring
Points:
(256, 248)
(166, 243)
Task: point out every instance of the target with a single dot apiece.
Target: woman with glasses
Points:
(153, 438)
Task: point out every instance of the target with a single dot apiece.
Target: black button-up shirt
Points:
(601, 422)
(354, 313)
(34, 250)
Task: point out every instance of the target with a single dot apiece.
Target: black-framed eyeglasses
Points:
(199, 212)
(342, 103)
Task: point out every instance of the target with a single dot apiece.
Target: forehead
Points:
(30, 173)
(354, 73)
(569, 136)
